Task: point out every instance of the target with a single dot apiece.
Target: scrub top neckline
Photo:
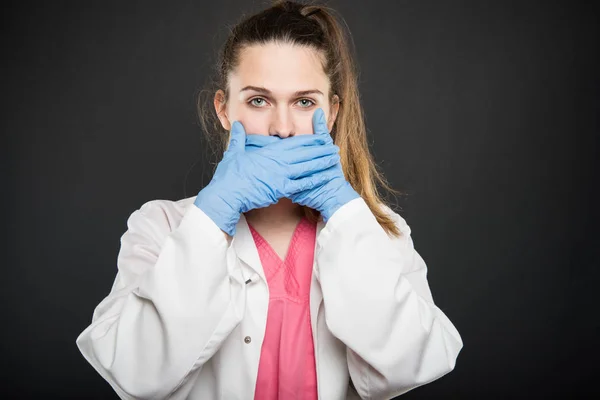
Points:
(292, 241)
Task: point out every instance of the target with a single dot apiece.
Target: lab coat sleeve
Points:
(171, 306)
(378, 303)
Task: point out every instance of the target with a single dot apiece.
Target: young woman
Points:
(286, 277)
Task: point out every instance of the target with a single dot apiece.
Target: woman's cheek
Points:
(305, 124)
(254, 123)
(306, 127)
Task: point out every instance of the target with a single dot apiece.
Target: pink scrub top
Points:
(287, 363)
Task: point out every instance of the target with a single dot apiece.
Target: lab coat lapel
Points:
(316, 296)
(245, 248)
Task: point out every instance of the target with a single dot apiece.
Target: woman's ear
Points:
(221, 109)
(333, 112)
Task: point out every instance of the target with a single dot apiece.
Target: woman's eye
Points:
(255, 104)
(306, 100)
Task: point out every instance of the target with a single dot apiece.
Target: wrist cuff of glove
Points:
(218, 210)
(343, 196)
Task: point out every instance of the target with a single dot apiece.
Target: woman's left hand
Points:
(325, 198)
(336, 191)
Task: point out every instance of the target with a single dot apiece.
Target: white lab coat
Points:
(187, 312)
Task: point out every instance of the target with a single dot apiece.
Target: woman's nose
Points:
(282, 124)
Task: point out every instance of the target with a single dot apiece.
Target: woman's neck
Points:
(283, 213)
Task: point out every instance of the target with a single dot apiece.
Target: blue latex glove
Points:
(255, 142)
(336, 191)
(245, 180)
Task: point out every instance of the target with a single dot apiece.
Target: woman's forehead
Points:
(280, 68)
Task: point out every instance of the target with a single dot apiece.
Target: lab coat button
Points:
(247, 339)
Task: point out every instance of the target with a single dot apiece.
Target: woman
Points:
(286, 276)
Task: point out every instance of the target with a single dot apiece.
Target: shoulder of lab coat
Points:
(378, 302)
(146, 339)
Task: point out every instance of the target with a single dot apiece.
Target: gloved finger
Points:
(303, 154)
(237, 138)
(312, 181)
(299, 141)
(303, 197)
(311, 167)
(255, 140)
(319, 122)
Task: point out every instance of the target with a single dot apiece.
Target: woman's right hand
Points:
(245, 180)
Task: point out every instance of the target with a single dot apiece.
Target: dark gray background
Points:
(484, 112)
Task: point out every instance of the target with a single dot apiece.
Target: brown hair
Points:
(318, 27)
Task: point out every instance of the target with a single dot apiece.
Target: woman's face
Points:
(275, 91)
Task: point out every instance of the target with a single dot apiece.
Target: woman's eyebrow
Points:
(268, 92)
